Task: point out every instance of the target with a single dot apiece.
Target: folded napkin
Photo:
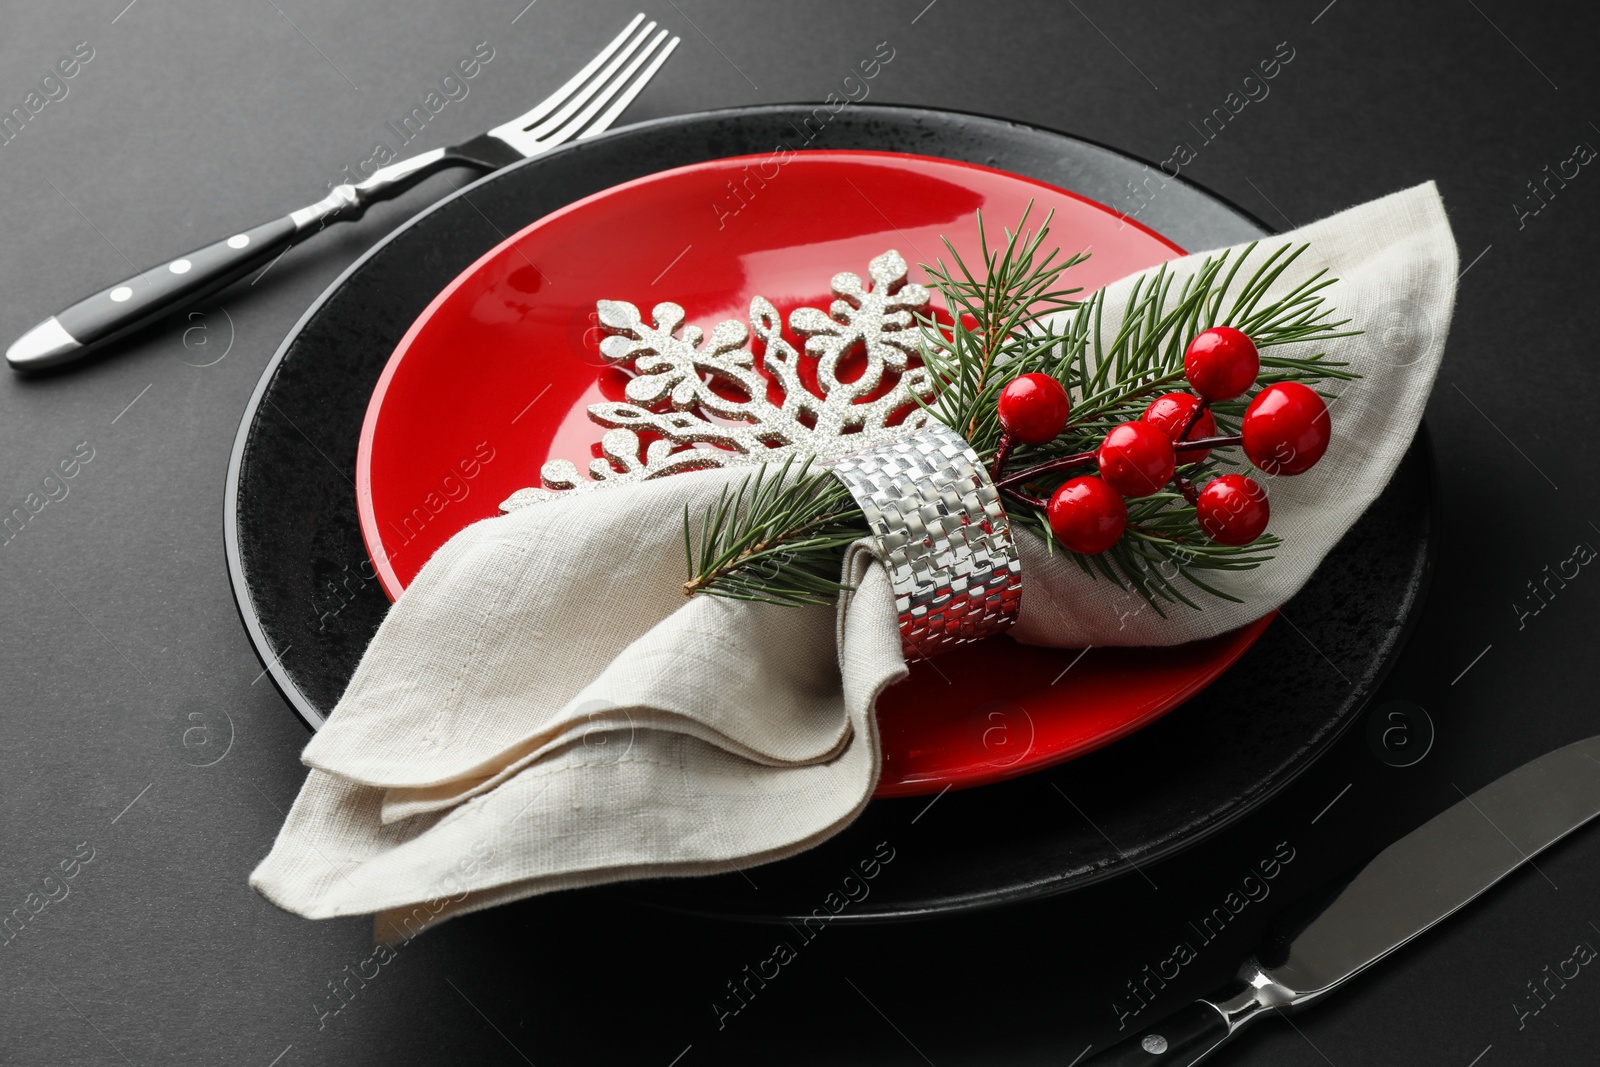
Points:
(534, 714)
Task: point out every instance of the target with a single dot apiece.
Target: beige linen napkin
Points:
(543, 709)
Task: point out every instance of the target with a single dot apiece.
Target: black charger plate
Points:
(300, 573)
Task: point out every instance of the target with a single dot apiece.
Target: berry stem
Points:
(1023, 498)
(1001, 451)
(1194, 417)
(1186, 487)
(1077, 459)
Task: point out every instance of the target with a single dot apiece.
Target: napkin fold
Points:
(543, 709)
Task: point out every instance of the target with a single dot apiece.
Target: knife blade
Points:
(1417, 882)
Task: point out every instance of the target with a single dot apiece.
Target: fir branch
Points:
(776, 539)
(781, 539)
(1017, 288)
(1112, 381)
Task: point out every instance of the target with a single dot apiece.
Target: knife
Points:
(585, 106)
(1418, 881)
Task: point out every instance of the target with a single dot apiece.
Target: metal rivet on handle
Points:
(121, 293)
(179, 266)
(1154, 1044)
(238, 240)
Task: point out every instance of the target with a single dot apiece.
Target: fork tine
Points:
(582, 119)
(543, 129)
(604, 122)
(544, 107)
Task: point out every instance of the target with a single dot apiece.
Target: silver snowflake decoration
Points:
(676, 367)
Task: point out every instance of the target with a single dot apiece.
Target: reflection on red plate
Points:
(496, 376)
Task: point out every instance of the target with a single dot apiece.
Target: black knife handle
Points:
(129, 304)
(1182, 1038)
(119, 309)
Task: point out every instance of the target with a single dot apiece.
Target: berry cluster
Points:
(1285, 430)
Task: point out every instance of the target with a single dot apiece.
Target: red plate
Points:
(709, 237)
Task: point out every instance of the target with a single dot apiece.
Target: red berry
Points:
(1221, 363)
(1087, 515)
(1171, 413)
(1286, 428)
(1136, 458)
(1033, 408)
(1232, 509)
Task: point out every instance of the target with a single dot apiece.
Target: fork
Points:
(585, 106)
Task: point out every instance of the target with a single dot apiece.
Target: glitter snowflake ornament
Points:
(707, 403)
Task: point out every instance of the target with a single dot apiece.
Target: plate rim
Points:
(968, 902)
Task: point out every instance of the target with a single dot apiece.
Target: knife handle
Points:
(1185, 1037)
(119, 309)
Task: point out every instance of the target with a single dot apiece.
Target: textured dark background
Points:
(120, 631)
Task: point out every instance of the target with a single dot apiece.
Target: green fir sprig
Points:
(780, 536)
(997, 322)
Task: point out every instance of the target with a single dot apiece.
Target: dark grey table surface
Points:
(193, 118)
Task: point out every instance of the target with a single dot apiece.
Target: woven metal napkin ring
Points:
(942, 535)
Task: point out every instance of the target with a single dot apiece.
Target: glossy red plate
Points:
(512, 343)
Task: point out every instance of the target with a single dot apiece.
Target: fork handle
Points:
(119, 309)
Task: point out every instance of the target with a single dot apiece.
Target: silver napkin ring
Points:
(942, 534)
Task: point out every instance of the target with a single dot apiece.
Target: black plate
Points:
(300, 572)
